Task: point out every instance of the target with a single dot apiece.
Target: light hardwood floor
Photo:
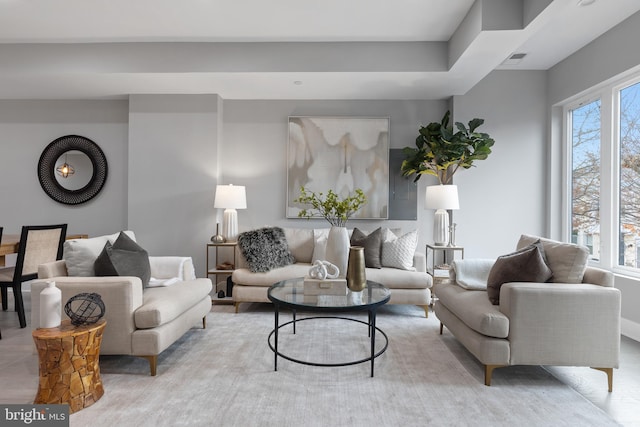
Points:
(17, 351)
(623, 404)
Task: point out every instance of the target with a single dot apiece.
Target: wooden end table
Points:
(69, 364)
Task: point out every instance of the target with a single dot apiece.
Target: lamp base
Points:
(440, 227)
(230, 225)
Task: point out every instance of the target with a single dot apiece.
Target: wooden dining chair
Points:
(38, 244)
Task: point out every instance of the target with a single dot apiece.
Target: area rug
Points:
(224, 376)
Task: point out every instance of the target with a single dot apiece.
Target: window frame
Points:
(616, 88)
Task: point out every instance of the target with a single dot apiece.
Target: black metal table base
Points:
(372, 328)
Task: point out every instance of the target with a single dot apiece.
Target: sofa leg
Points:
(488, 372)
(153, 364)
(426, 310)
(441, 327)
(237, 307)
(609, 372)
(204, 322)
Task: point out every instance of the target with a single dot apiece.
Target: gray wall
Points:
(173, 151)
(255, 141)
(26, 128)
(255, 154)
(613, 53)
(503, 196)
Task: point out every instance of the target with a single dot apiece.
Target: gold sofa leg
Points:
(609, 372)
(237, 304)
(488, 372)
(204, 322)
(153, 363)
(426, 310)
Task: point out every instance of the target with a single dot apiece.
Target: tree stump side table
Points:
(69, 364)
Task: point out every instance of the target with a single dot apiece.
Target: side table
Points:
(213, 270)
(441, 271)
(69, 364)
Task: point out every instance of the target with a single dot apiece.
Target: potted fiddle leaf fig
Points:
(441, 150)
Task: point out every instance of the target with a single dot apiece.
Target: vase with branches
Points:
(329, 206)
(337, 212)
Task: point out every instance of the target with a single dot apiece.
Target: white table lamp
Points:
(441, 198)
(230, 197)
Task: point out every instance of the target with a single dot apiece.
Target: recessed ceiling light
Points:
(297, 82)
(586, 2)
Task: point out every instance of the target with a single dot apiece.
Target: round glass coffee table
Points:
(289, 294)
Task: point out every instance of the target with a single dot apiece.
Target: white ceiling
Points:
(284, 49)
(229, 20)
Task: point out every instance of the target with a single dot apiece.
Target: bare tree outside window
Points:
(618, 196)
(585, 176)
(629, 190)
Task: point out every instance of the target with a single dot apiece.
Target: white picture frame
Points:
(339, 154)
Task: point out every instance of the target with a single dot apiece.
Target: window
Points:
(603, 180)
(585, 176)
(629, 188)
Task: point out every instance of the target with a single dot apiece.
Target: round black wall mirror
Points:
(72, 169)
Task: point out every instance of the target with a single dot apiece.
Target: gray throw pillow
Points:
(372, 245)
(123, 258)
(526, 265)
(568, 261)
(265, 249)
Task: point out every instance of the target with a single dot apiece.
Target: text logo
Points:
(34, 415)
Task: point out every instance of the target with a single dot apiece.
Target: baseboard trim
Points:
(630, 329)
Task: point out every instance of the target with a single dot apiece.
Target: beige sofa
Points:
(140, 322)
(563, 324)
(406, 286)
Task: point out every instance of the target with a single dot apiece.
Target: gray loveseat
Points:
(406, 286)
(574, 320)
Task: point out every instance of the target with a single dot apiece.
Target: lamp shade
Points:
(230, 197)
(442, 197)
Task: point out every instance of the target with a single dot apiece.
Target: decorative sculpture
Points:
(323, 270)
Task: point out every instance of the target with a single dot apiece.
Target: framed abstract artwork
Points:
(339, 154)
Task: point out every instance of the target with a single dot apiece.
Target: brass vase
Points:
(356, 278)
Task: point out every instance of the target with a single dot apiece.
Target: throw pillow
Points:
(372, 244)
(568, 261)
(526, 265)
(265, 249)
(124, 258)
(398, 252)
(80, 254)
(300, 242)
